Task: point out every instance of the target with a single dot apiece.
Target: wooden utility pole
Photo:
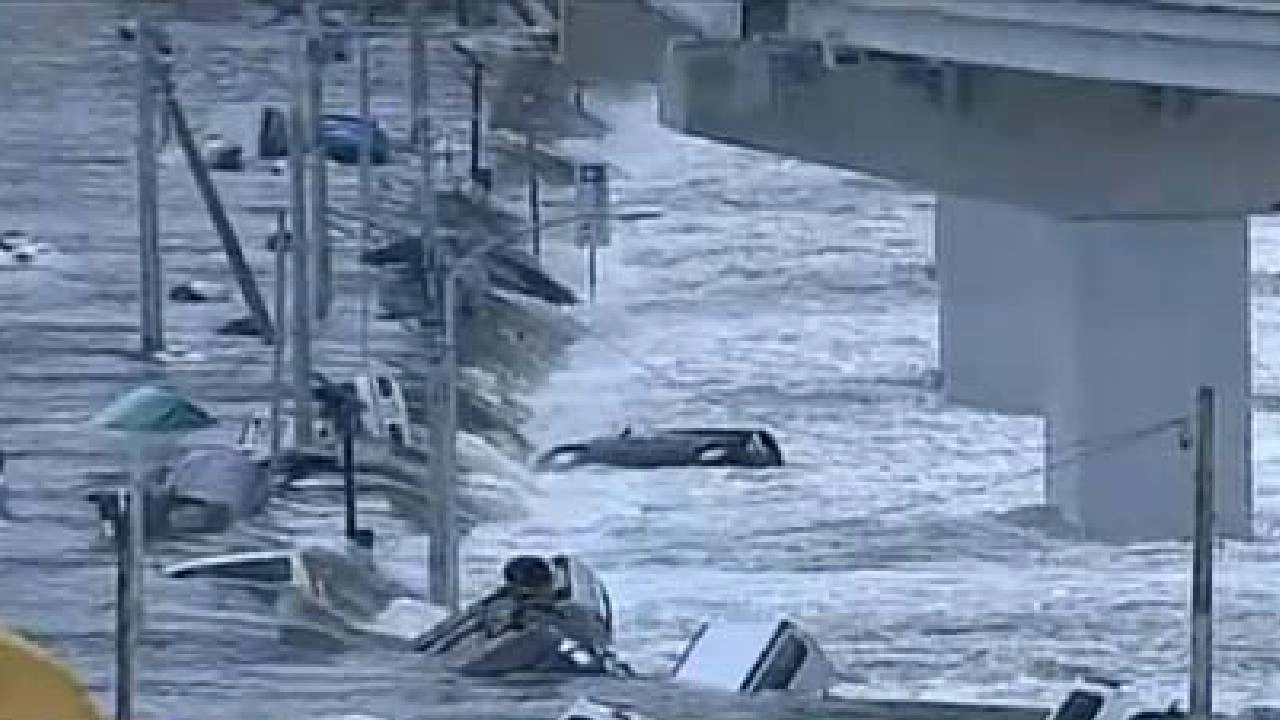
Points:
(126, 611)
(592, 272)
(277, 350)
(319, 180)
(535, 204)
(1201, 681)
(437, 325)
(366, 176)
(448, 558)
(477, 114)
(298, 133)
(151, 273)
(218, 214)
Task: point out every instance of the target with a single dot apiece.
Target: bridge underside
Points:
(1092, 242)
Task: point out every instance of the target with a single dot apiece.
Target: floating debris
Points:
(199, 291)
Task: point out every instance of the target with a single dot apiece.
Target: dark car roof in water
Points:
(713, 431)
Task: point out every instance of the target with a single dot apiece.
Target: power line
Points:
(1081, 451)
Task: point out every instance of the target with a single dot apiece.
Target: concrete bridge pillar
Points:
(1153, 309)
(1106, 328)
(995, 266)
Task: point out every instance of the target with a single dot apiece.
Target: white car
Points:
(18, 250)
(255, 433)
(322, 593)
(750, 657)
(586, 709)
(385, 413)
(1099, 699)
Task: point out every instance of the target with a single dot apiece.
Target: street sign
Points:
(591, 228)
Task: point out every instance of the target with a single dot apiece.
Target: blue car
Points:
(341, 135)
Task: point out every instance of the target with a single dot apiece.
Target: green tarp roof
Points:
(151, 409)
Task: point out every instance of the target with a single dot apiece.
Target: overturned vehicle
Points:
(694, 447)
(549, 615)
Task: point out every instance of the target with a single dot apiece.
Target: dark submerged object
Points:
(241, 327)
(700, 447)
(222, 154)
(279, 241)
(205, 491)
(195, 291)
(549, 616)
(339, 134)
(507, 269)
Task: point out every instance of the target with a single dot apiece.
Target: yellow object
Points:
(36, 686)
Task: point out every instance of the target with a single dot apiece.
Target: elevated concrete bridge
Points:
(1096, 163)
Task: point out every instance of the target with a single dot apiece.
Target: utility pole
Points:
(1201, 681)
(535, 203)
(437, 322)
(366, 176)
(477, 113)
(318, 161)
(151, 293)
(348, 412)
(300, 248)
(592, 278)
(218, 214)
(126, 612)
(448, 559)
(277, 350)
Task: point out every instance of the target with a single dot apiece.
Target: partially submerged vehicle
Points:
(737, 657)
(752, 657)
(340, 135)
(324, 596)
(694, 447)
(205, 491)
(20, 250)
(1093, 698)
(383, 414)
(588, 709)
(550, 615)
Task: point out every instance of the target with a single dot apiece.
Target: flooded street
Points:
(769, 293)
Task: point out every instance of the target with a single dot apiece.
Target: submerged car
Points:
(205, 491)
(588, 709)
(340, 136)
(20, 250)
(1094, 698)
(383, 414)
(753, 657)
(695, 447)
(324, 596)
(550, 615)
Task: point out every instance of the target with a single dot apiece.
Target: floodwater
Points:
(769, 292)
